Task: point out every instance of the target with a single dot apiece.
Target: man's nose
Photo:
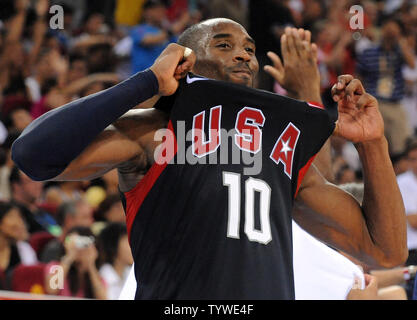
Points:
(241, 55)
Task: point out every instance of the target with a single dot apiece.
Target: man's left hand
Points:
(359, 117)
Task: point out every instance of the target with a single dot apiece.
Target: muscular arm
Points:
(374, 232)
(128, 139)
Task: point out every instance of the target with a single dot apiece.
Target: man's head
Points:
(224, 51)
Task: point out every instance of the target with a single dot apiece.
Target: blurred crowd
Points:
(80, 226)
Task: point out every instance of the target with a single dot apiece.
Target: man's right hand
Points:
(171, 66)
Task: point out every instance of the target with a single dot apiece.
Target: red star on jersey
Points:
(285, 147)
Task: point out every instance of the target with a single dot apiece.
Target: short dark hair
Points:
(108, 241)
(191, 36)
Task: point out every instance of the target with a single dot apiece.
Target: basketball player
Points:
(185, 227)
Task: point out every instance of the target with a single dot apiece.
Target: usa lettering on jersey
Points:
(246, 136)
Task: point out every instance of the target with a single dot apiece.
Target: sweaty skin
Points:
(374, 233)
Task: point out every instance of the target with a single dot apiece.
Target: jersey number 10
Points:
(233, 182)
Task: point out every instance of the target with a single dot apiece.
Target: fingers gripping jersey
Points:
(215, 223)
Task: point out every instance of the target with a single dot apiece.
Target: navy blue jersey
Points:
(215, 222)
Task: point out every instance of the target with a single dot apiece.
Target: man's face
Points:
(229, 55)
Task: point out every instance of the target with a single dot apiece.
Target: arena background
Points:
(52, 52)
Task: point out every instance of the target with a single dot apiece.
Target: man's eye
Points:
(223, 45)
(250, 50)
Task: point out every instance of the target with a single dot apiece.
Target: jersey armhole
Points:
(135, 197)
(302, 173)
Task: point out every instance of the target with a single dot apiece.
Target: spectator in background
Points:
(400, 163)
(63, 37)
(64, 191)
(334, 55)
(314, 10)
(78, 67)
(408, 186)
(94, 26)
(101, 188)
(52, 97)
(100, 58)
(19, 118)
(115, 258)
(345, 175)
(152, 36)
(371, 34)
(381, 69)
(236, 10)
(111, 209)
(26, 195)
(6, 165)
(410, 77)
(69, 215)
(13, 233)
(41, 69)
(82, 279)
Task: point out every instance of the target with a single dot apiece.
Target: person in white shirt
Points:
(407, 182)
(115, 258)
